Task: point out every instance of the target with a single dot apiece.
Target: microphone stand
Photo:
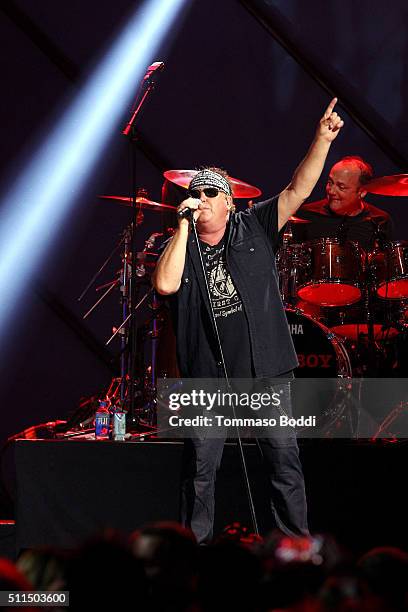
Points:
(224, 367)
(131, 343)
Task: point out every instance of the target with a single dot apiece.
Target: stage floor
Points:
(67, 490)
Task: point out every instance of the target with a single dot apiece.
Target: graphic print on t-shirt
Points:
(224, 296)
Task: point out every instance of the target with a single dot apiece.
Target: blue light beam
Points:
(39, 201)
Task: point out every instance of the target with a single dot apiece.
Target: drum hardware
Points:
(118, 330)
(100, 270)
(290, 259)
(151, 371)
(150, 336)
(143, 263)
(291, 262)
(372, 362)
(110, 286)
(391, 419)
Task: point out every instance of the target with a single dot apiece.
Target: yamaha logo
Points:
(295, 329)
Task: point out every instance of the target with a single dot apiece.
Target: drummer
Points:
(343, 213)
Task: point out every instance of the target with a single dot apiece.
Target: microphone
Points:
(145, 87)
(185, 213)
(152, 70)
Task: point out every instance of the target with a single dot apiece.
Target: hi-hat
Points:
(140, 201)
(394, 185)
(182, 178)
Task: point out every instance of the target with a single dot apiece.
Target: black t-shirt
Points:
(229, 313)
(325, 223)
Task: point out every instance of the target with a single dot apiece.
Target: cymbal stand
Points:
(291, 260)
(110, 286)
(366, 354)
(103, 266)
(131, 270)
(151, 330)
(285, 271)
(372, 359)
(124, 289)
(369, 311)
(121, 326)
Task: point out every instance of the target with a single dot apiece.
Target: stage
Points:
(68, 490)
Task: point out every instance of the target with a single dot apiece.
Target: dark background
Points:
(230, 95)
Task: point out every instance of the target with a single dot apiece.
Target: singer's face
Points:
(214, 210)
(343, 188)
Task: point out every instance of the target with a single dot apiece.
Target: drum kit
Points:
(347, 310)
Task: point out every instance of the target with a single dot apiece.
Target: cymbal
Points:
(293, 219)
(140, 200)
(239, 188)
(394, 185)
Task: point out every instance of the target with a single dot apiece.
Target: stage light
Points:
(40, 199)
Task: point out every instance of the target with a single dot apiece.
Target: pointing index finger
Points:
(329, 109)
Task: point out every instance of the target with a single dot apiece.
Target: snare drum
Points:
(390, 270)
(334, 276)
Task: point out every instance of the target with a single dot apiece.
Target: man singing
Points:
(238, 251)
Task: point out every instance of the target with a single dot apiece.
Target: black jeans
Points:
(200, 463)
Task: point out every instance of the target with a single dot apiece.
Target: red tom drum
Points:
(334, 275)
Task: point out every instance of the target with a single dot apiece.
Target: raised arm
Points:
(309, 170)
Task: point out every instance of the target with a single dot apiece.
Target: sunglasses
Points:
(209, 192)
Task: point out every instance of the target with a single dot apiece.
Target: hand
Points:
(330, 124)
(192, 203)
